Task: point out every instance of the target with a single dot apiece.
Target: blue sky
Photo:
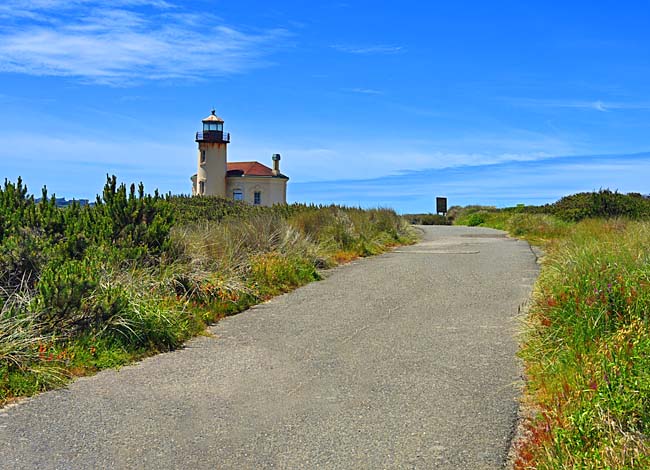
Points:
(369, 103)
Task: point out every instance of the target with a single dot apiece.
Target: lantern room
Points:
(212, 130)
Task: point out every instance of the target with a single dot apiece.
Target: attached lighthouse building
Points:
(252, 182)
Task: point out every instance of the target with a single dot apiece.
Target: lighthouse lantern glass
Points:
(213, 126)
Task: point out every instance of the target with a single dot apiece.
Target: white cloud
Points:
(126, 42)
(368, 49)
(42, 9)
(597, 105)
(364, 91)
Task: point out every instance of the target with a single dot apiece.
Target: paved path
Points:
(405, 360)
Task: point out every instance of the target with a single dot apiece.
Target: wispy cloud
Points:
(352, 156)
(596, 105)
(368, 49)
(126, 41)
(599, 106)
(364, 91)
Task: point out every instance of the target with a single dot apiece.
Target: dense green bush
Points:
(192, 210)
(604, 203)
(61, 291)
(21, 259)
(477, 218)
(598, 204)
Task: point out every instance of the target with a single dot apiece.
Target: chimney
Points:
(276, 164)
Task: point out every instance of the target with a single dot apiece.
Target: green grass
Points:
(478, 216)
(587, 350)
(586, 341)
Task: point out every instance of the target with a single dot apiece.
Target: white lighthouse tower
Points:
(210, 179)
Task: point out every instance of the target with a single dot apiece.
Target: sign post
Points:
(441, 205)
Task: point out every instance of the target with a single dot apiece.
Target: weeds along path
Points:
(405, 360)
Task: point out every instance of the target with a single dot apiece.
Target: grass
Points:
(101, 287)
(587, 350)
(586, 341)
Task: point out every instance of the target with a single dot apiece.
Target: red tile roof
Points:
(250, 168)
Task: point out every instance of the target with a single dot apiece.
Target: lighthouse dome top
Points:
(213, 117)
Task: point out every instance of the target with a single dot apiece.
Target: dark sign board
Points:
(441, 205)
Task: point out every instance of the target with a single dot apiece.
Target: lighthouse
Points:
(248, 181)
(212, 158)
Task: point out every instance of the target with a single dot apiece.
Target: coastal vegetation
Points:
(427, 219)
(586, 338)
(98, 286)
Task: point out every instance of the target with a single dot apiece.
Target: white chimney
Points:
(276, 164)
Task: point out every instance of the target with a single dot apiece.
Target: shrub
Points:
(604, 203)
(427, 219)
(22, 256)
(62, 289)
(477, 218)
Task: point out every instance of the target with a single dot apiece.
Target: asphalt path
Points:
(405, 360)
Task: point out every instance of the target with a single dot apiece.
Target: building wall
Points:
(274, 190)
(213, 171)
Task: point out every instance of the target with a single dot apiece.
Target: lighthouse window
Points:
(238, 195)
(257, 198)
(201, 187)
(202, 156)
